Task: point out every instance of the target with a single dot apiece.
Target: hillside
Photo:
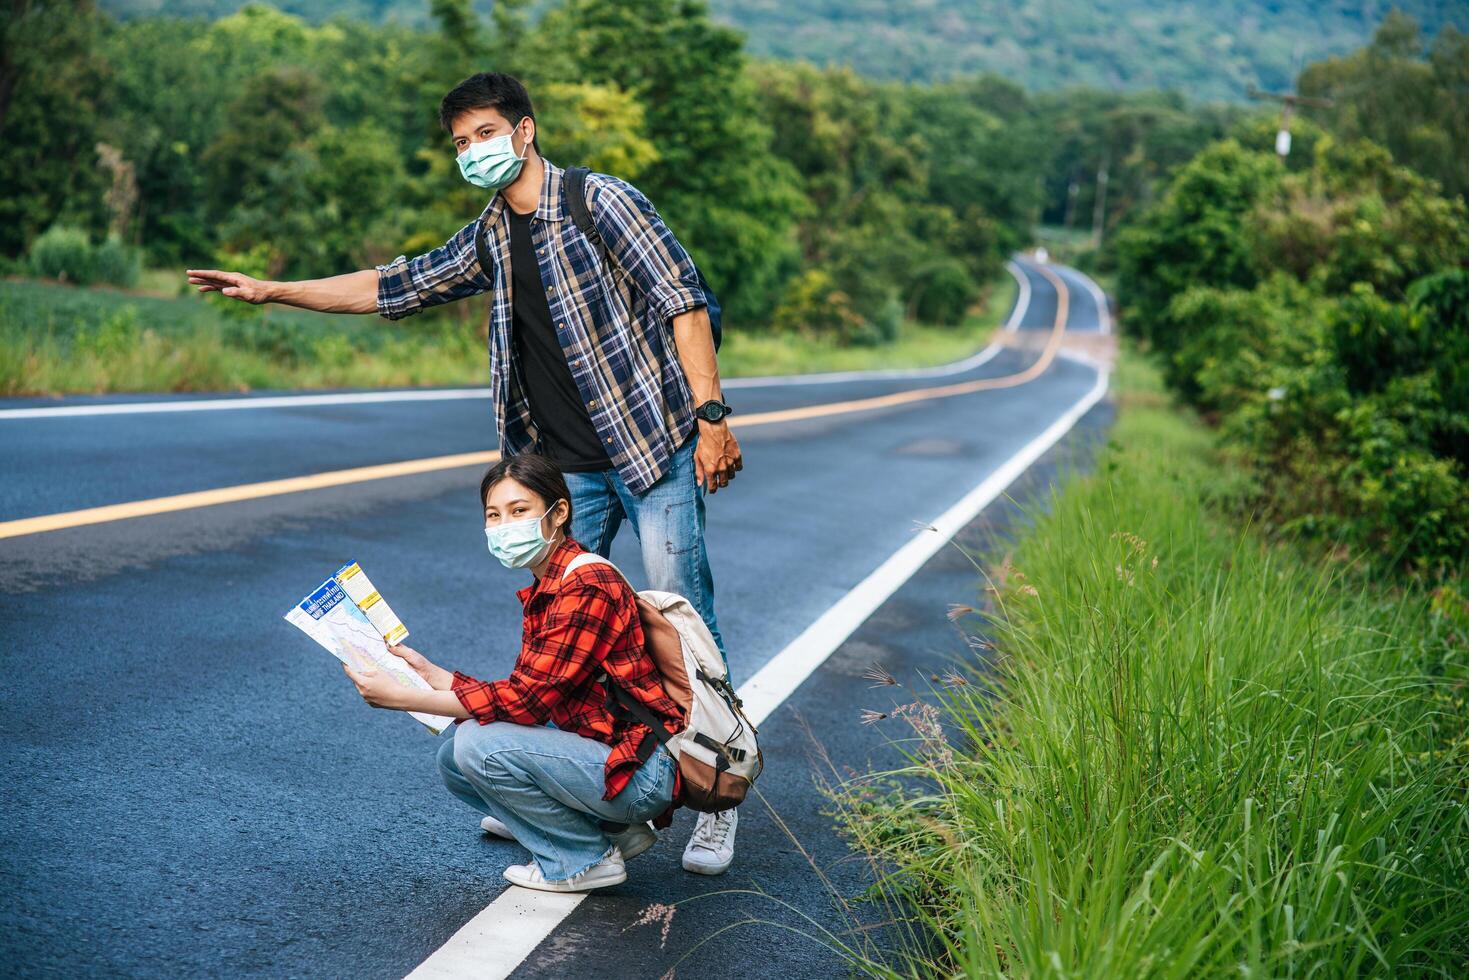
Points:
(1209, 51)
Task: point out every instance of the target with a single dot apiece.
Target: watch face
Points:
(711, 411)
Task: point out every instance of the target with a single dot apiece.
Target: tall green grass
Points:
(59, 339)
(1194, 755)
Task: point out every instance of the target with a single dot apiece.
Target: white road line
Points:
(499, 939)
(225, 404)
(1022, 303)
(1104, 312)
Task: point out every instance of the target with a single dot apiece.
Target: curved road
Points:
(192, 787)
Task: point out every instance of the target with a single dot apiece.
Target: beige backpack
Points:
(716, 750)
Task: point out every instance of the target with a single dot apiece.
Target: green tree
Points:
(1355, 217)
(51, 78)
(1389, 93)
(730, 200)
(1195, 236)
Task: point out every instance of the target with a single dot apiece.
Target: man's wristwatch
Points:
(713, 410)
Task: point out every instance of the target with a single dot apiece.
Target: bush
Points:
(1351, 411)
(945, 292)
(815, 307)
(1195, 236)
(116, 264)
(67, 254)
(1303, 313)
(64, 253)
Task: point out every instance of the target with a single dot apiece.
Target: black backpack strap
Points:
(574, 181)
(482, 250)
(621, 704)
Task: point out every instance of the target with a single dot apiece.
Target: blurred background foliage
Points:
(1319, 312)
(1314, 306)
(311, 145)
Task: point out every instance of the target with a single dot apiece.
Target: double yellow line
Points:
(363, 474)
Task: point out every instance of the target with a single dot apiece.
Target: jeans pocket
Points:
(657, 792)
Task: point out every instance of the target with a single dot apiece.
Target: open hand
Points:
(235, 285)
(437, 677)
(377, 687)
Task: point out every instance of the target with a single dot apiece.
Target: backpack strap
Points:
(622, 704)
(482, 250)
(619, 702)
(574, 181)
(588, 558)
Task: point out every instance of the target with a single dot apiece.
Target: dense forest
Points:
(1319, 312)
(1206, 51)
(815, 199)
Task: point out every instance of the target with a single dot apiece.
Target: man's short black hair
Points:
(488, 90)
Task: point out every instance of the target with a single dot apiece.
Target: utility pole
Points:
(1288, 102)
(1099, 207)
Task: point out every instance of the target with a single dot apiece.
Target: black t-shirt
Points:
(567, 434)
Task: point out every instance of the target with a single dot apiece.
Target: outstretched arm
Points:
(400, 288)
(355, 292)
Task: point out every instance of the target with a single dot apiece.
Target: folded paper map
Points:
(348, 617)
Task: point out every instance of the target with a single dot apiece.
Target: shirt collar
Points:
(550, 583)
(549, 208)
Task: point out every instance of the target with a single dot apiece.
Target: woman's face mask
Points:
(492, 163)
(520, 544)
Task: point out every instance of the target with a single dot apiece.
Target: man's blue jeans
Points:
(668, 520)
(546, 786)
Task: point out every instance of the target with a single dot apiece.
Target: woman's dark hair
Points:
(488, 90)
(536, 473)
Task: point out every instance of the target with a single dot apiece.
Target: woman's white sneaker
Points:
(711, 848)
(606, 872)
(495, 828)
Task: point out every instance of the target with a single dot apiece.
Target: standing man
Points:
(601, 354)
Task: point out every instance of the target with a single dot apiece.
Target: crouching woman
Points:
(577, 796)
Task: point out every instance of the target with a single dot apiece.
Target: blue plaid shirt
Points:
(615, 326)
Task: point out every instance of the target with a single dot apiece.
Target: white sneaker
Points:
(606, 872)
(635, 840)
(495, 828)
(711, 848)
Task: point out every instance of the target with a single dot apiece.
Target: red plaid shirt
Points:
(572, 632)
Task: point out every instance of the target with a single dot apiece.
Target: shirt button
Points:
(549, 290)
(609, 442)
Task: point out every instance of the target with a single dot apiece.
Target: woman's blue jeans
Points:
(546, 786)
(668, 520)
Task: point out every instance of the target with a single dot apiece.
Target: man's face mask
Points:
(492, 163)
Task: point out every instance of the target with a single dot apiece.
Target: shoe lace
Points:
(714, 830)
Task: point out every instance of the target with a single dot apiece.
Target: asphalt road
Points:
(192, 787)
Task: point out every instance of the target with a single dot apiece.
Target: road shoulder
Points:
(778, 876)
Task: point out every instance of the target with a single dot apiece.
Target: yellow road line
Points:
(247, 491)
(363, 474)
